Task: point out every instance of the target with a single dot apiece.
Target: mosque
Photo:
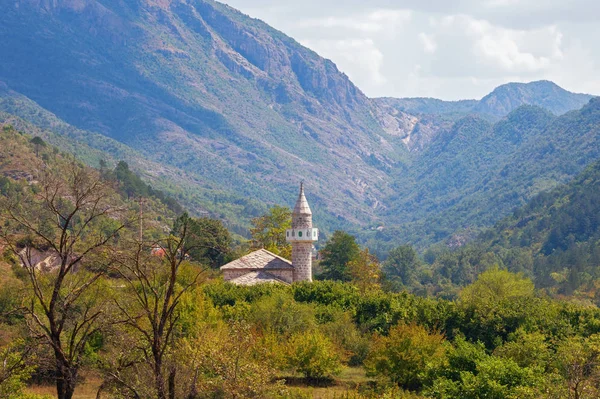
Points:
(263, 266)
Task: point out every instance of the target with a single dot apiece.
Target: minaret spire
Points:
(302, 207)
(301, 236)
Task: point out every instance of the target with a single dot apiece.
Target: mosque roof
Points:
(261, 259)
(257, 277)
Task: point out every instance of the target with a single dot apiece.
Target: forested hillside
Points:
(478, 172)
(553, 240)
(228, 114)
(558, 232)
(95, 149)
(201, 87)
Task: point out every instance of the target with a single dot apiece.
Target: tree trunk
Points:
(172, 383)
(66, 381)
(159, 381)
(66, 374)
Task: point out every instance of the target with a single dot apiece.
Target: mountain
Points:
(432, 116)
(545, 94)
(201, 87)
(478, 172)
(93, 149)
(228, 115)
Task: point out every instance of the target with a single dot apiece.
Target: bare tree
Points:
(70, 219)
(152, 309)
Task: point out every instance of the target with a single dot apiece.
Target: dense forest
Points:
(110, 290)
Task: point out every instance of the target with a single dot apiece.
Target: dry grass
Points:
(86, 390)
(349, 381)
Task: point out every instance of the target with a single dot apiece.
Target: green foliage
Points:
(402, 266)
(132, 186)
(227, 361)
(208, 241)
(268, 231)
(313, 355)
(406, 355)
(472, 373)
(554, 238)
(338, 252)
(527, 349)
(577, 361)
(493, 287)
(280, 314)
(15, 369)
(38, 143)
(365, 271)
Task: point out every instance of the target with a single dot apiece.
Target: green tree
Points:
(365, 271)
(473, 374)
(16, 366)
(62, 216)
(152, 309)
(228, 361)
(268, 231)
(578, 362)
(494, 286)
(209, 242)
(38, 144)
(405, 355)
(528, 349)
(313, 355)
(402, 265)
(339, 250)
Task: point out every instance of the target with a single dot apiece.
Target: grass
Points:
(86, 390)
(350, 380)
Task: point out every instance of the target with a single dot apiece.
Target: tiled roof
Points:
(257, 277)
(302, 207)
(257, 260)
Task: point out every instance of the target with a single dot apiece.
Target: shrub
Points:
(313, 355)
(405, 355)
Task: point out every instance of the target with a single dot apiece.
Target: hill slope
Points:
(201, 87)
(224, 109)
(433, 116)
(477, 172)
(555, 237)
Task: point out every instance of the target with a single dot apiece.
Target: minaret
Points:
(301, 236)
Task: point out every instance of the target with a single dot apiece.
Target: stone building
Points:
(263, 266)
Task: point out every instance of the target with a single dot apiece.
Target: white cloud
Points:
(375, 21)
(359, 58)
(448, 49)
(428, 41)
(475, 47)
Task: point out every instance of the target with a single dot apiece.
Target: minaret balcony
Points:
(302, 235)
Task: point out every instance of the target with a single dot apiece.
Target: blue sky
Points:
(449, 49)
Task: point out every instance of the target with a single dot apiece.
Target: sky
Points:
(448, 49)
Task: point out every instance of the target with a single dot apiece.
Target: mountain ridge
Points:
(240, 108)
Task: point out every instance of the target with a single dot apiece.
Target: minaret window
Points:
(299, 234)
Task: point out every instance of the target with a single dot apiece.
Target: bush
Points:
(405, 355)
(313, 355)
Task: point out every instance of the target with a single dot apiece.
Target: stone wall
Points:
(302, 261)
